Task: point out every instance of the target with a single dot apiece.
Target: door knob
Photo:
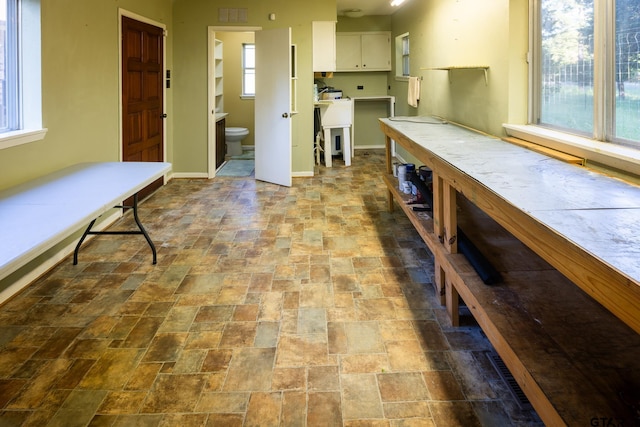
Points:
(163, 116)
(285, 115)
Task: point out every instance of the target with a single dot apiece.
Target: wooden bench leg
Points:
(439, 279)
(438, 222)
(445, 226)
(450, 219)
(452, 300)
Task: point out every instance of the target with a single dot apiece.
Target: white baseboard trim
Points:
(303, 174)
(54, 260)
(369, 147)
(186, 175)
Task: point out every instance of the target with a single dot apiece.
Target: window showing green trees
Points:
(588, 90)
(627, 66)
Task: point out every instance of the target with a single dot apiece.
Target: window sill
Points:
(19, 137)
(247, 97)
(608, 154)
(402, 78)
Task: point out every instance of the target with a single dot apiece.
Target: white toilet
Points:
(233, 137)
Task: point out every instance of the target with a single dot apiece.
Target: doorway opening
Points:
(273, 106)
(230, 108)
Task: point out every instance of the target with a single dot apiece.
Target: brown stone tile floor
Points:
(309, 305)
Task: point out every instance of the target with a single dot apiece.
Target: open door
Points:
(273, 106)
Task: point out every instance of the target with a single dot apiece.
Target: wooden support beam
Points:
(450, 223)
(439, 279)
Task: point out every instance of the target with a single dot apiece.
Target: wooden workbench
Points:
(566, 317)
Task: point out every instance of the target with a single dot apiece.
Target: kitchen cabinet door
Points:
(324, 45)
(348, 52)
(369, 51)
(376, 52)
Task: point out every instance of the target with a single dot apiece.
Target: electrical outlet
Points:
(360, 87)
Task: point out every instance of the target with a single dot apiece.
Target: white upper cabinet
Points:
(324, 45)
(369, 51)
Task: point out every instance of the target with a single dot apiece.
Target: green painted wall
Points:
(191, 20)
(366, 131)
(80, 72)
(365, 23)
(462, 33)
(80, 93)
(80, 88)
(80, 69)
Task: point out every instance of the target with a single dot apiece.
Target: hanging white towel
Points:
(414, 91)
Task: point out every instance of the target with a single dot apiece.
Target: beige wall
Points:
(191, 20)
(241, 111)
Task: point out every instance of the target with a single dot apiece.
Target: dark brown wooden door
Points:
(142, 94)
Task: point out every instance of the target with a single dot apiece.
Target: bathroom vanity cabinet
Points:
(221, 150)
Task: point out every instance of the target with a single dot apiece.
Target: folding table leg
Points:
(136, 219)
(84, 236)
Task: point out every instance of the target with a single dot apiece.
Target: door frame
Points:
(128, 14)
(211, 88)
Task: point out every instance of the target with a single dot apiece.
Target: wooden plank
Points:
(577, 356)
(546, 151)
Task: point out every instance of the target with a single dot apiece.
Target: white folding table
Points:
(37, 215)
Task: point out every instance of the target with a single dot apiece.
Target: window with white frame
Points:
(20, 73)
(402, 55)
(587, 68)
(9, 60)
(248, 69)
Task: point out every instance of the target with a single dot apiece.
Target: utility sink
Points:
(336, 112)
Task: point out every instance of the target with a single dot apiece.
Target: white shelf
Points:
(484, 68)
(217, 74)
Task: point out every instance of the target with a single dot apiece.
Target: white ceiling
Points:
(368, 7)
